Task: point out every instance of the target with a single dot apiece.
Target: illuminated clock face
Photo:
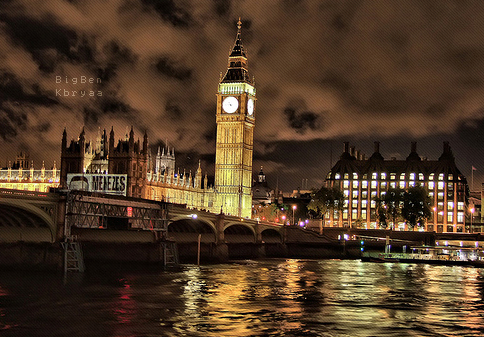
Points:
(230, 104)
(250, 107)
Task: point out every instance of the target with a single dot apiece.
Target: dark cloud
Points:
(119, 54)
(11, 123)
(171, 69)
(173, 110)
(12, 90)
(301, 121)
(222, 7)
(37, 35)
(169, 11)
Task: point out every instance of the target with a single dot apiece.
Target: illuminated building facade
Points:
(127, 167)
(362, 180)
(22, 176)
(236, 99)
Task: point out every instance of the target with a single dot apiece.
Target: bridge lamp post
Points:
(471, 210)
(293, 209)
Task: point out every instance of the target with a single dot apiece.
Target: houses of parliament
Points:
(128, 168)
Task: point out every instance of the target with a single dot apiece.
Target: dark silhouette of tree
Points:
(326, 199)
(416, 206)
(389, 206)
(381, 213)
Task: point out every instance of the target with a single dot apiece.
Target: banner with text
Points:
(102, 183)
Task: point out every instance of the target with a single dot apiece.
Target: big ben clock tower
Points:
(236, 110)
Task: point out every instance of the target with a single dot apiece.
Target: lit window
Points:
(373, 184)
(374, 175)
(346, 193)
(440, 195)
(346, 203)
(431, 184)
(393, 184)
(441, 176)
(363, 203)
(373, 204)
(373, 194)
(411, 184)
(355, 183)
(460, 217)
(337, 176)
(383, 184)
(440, 185)
(364, 184)
(355, 194)
(460, 206)
(412, 176)
(363, 213)
(383, 175)
(402, 176)
(346, 183)
(364, 194)
(392, 176)
(420, 176)
(354, 204)
(450, 205)
(355, 175)
(345, 214)
(431, 176)
(450, 217)
(354, 214)
(346, 176)
(451, 177)
(431, 194)
(402, 184)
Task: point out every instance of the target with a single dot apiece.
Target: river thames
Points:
(248, 298)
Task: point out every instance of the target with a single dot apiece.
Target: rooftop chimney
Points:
(346, 146)
(413, 147)
(377, 147)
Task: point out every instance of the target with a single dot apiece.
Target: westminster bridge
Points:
(119, 228)
(108, 224)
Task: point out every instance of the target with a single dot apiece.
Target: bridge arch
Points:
(271, 235)
(239, 232)
(184, 229)
(189, 218)
(239, 223)
(20, 214)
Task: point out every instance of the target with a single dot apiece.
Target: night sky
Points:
(326, 72)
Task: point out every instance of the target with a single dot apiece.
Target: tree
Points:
(392, 202)
(416, 207)
(381, 213)
(326, 199)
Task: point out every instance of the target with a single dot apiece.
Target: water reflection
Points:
(250, 298)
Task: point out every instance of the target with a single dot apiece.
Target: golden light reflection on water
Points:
(255, 298)
(238, 301)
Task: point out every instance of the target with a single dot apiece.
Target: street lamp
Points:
(293, 209)
(472, 210)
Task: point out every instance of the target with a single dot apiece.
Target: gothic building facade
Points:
(363, 180)
(21, 175)
(236, 110)
(144, 176)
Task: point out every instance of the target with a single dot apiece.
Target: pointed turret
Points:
(237, 67)
(145, 144)
(64, 140)
(198, 176)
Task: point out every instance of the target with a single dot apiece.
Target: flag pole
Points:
(472, 178)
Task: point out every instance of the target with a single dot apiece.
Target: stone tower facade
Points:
(236, 110)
